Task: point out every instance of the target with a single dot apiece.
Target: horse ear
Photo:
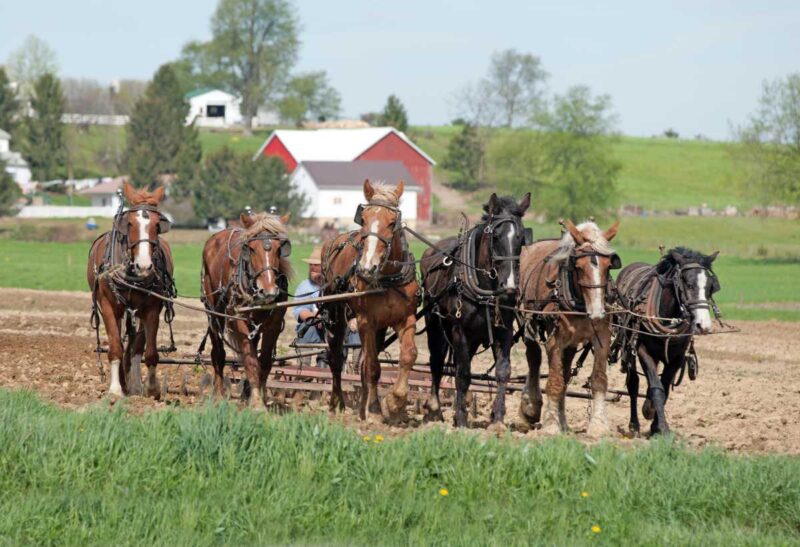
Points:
(575, 233)
(399, 190)
(611, 232)
(712, 257)
(489, 207)
(158, 194)
(246, 219)
(677, 257)
(130, 193)
(369, 191)
(285, 218)
(525, 203)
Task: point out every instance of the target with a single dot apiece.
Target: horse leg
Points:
(530, 406)
(133, 366)
(218, 361)
(268, 341)
(503, 368)
(249, 356)
(150, 320)
(667, 377)
(461, 356)
(396, 399)
(598, 422)
(632, 383)
(555, 420)
(655, 392)
(112, 321)
(336, 356)
(438, 350)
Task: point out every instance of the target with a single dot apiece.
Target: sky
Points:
(695, 66)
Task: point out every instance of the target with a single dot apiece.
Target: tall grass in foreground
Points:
(218, 475)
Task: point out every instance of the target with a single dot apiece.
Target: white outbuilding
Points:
(210, 107)
(16, 166)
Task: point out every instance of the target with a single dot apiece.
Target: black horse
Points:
(471, 287)
(680, 287)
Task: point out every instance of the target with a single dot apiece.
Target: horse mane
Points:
(667, 261)
(503, 203)
(384, 192)
(271, 224)
(143, 197)
(595, 240)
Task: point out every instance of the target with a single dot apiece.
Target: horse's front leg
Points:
(598, 422)
(503, 341)
(249, 355)
(112, 319)
(133, 364)
(438, 352)
(336, 356)
(269, 338)
(369, 385)
(462, 358)
(656, 395)
(150, 319)
(632, 383)
(396, 399)
(555, 418)
(530, 406)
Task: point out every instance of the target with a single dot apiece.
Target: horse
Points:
(246, 267)
(123, 263)
(471, 287)
(374, 257)
(679, 287)
(568, 283)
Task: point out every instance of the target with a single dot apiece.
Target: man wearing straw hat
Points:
(309, 329)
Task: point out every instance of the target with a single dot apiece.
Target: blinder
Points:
(714, 282)
(359, 216)
(527, 236)
(616, 262)
(164, 225)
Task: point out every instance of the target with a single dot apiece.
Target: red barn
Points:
(373, 143)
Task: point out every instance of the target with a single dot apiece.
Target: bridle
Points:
(244, 277)
(396, 226)
(682, 293)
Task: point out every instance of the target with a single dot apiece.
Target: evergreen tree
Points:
(394, 114)
(230, 182)
(464, 158)
(159, 141)
(44, 145)
(9, 104)
(9, 191)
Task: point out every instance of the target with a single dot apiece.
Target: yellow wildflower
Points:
(443, 492)
(378, 438)
(596, 529)
(584, 494)
(367, 438)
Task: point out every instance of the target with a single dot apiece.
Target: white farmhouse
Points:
(16, 166)
(334, 189)
(210, 107)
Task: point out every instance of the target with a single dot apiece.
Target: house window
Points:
(337, 200)
(105, 202)
(215, 111)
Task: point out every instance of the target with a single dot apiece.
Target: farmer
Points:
(309, 328)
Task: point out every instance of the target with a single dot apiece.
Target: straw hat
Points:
(315, 257)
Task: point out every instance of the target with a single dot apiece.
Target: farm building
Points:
(335, 188)
(209, 107)
(16, 166)
(106, 193)
(379, 144)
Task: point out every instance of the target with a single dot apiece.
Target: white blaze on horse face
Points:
(511, 283)
(595, 308)
(143, 259)
(267, 278)
(370, 260)
(702, 318)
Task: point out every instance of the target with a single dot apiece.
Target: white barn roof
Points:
(334, 144)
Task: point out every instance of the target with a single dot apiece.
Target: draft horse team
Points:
(489, 287)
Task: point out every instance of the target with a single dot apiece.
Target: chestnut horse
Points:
(377, 256)
(246, 266)
(568, 275)
(132, 253)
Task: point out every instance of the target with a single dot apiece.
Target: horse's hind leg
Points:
(150, 320)
(336, 355)
(461, 357)
(218, 361)
(632, 383)
(437, 347)
(530, 406)
(268, 340)
(133, 363)
(555, 419)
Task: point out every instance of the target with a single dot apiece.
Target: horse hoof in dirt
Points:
(497, 427)
(154, 390)
(115, 392)
(597, 430)
(551, 428)
(530, 413)
(394, 404)
(648, 411)
(433, 414)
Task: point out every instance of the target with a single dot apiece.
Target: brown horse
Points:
(569, 275)
(132, 253)
(247, 266)
(377, 256)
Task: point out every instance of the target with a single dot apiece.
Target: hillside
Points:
(656, 173)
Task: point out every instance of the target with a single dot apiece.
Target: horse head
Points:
(591, 259)
(695, 283)
(264, 254)
(507, 235)
(380, 221)
(141, 224)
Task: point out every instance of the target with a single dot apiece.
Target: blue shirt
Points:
(305, 287)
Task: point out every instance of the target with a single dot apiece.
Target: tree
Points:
(253, 48)
(465, 158)
(230, 182)
(86, 96)
(30, 62)
(9, 191)
(9, 104)
(43, 141)
(159, 141)
(579, 171)
(770, 142)
(394, 114)
(309, 95)
(516, 80)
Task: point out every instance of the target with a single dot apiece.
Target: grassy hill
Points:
(657, 173)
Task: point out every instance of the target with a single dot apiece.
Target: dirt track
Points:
(747, 396)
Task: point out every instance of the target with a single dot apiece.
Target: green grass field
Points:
(221, 476)
(758, 267)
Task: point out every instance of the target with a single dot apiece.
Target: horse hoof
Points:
(394, 404)
(530, 414)
(115, 393)
(648, 410)
(497, 427)
(597, 430)
(551, 428)
(154, 391)
(433, 416)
